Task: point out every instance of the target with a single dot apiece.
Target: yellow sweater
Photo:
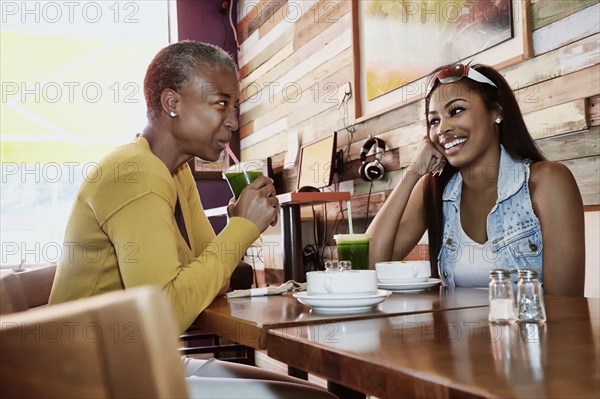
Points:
(122, 233)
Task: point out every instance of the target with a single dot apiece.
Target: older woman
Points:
(139, 221)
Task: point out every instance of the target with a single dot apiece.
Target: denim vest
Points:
(513, 230)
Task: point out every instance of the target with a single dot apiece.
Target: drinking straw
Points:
(231, 154)
(349, 207)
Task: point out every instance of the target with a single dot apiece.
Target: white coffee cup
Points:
(347, 282)
(403, 272)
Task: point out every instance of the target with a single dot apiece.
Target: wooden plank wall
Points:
(295, 56)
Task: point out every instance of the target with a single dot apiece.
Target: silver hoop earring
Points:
(498, 121)
(172, 114)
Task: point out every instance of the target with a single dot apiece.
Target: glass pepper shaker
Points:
(502, 299)
(530, 297)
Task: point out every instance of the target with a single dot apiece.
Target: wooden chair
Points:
(116, 345)
(27, 289)
(12, 298)
(37, 284)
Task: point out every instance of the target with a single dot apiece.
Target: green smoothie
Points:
(239, 180)
(355, 248)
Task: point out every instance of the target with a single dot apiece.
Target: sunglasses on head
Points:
(456, 72)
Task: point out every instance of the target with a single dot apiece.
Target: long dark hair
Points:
(514, 136)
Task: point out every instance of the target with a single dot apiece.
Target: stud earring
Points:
(498, 120)
(172, 114)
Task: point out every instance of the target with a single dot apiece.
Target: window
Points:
(72, 90)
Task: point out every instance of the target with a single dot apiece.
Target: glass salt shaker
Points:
(530, 298)
(345, 265)
(502, 302)
(331, 266)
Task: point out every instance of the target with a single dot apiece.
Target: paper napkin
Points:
(285, 287)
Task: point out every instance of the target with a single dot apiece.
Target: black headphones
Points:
(374, 170)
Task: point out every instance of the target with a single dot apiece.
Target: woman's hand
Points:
(258, 203)
(427, 159)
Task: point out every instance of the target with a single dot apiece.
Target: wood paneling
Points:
(577, 85)
(559, 119)
(277, 44)
(258, 14)
(594, 110)
(574, 145)
(567, 30)
(586, 172)
(319, 18)
(544, 12)
(578, 55)
(288, 94)
(558, 91)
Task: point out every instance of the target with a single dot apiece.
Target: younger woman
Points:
(481, 188)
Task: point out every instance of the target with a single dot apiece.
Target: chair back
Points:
(37, 284)
(27, 289)
(12, 298)
(116, 345)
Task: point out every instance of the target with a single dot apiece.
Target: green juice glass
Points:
(355, 248)
(241, 174)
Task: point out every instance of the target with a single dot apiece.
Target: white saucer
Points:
(396, 281)
(341, 304)
(410, 287)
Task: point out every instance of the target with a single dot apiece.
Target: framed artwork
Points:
(397, 43)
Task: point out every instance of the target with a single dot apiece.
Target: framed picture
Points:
(398, 43)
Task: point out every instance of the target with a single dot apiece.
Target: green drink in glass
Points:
(355, 248)
(240, 175)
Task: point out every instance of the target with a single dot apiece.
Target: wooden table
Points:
(248, 320)
(453, 353)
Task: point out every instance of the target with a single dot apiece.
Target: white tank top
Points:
(472, 268)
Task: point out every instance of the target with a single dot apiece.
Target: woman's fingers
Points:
(275, 219)
(438, 166)
(427, 158)
(258, 202)
(261, 182)
(267, 190)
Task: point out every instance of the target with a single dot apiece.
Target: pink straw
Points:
(231, 154)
